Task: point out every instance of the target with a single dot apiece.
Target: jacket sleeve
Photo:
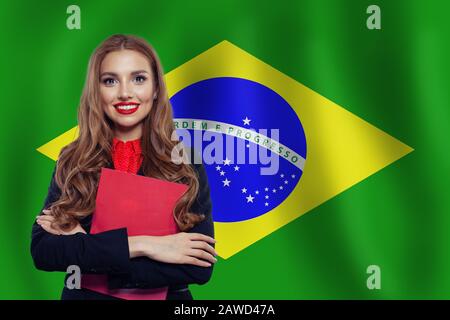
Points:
(105, 252)
(147, 273)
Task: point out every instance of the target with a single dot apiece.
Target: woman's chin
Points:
(127, 123)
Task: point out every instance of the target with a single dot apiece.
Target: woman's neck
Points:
(128, 134)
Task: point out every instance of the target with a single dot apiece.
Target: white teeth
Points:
(128, 107)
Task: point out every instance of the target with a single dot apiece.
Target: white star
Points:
(282, 175)
(226, 162)
(248, 145)
(266, 189)
(226, 182)
(218, 168)
(257, 192)
(286, 182)
(281, 187)
(266, 204)
(244, 190)
(267, 197)
(246, 121)
(250, 199)
(236, 168)
(293, 176)
(274, 190)
(222, 173)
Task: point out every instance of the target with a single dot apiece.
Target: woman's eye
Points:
(108, 81)
(140, 79)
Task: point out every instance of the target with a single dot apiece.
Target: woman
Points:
(125, 122)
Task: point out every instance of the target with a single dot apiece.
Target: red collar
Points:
(134, 145)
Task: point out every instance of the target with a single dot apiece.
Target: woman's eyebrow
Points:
(138, 72)
(115, 74)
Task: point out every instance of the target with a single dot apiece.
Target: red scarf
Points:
(127, 156)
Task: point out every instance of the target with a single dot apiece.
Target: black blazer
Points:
(108, 253)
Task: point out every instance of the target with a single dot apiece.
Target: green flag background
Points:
(395, 78)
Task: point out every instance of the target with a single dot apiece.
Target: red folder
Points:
(141, 204)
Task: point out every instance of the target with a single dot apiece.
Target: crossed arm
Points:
(143, 262)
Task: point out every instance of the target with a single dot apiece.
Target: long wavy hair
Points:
(79, 163)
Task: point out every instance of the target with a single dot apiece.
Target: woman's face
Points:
(126, 89)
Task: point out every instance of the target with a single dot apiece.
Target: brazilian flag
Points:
(359, 92)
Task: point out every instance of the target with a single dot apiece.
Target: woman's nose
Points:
(125, 91)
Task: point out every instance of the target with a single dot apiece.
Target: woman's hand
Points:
(179, 248)
(46, 220)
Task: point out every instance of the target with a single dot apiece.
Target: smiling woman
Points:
(127, 88)
(125, 122)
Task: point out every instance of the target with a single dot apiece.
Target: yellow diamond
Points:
(343, 149)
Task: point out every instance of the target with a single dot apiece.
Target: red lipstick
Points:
(126, 107)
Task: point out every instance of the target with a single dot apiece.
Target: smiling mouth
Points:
(124, 108)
